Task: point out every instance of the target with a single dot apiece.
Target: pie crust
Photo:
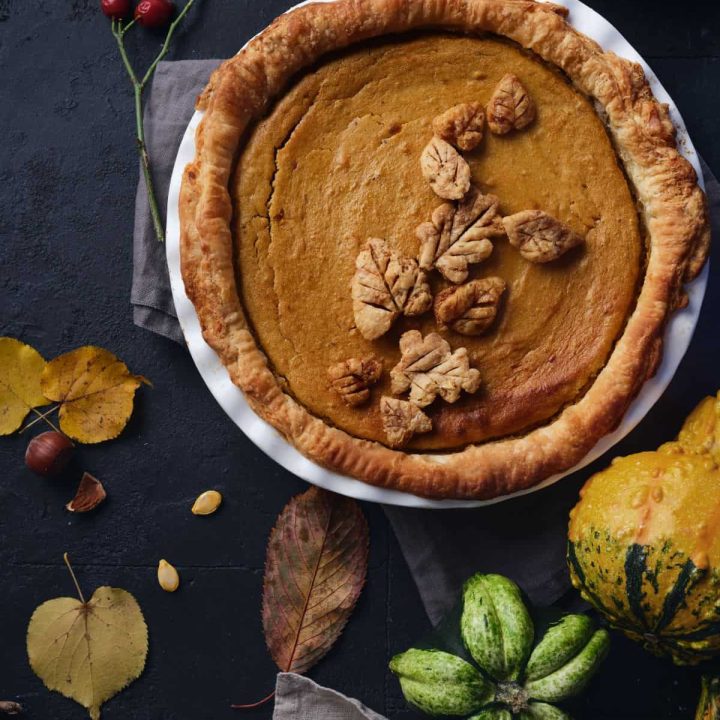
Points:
(671, 206)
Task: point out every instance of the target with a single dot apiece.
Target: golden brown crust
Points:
(673, 207)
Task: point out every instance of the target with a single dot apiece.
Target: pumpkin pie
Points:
(585, 223)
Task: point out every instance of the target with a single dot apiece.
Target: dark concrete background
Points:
(68, 173)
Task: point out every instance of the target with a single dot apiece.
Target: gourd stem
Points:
(513, 695)
(709, 706)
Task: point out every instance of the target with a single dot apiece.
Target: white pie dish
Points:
(677, 338)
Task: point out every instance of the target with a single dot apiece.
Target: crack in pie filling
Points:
(310, 147)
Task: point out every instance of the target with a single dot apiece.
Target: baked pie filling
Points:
(335, 161)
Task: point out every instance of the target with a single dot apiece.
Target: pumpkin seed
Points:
(207, 503)
(168, 576)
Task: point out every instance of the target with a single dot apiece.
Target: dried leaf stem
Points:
(139, 85)
(75, 580)
(41, 416)
(257, 704)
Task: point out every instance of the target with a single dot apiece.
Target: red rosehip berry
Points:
(115, 8)
(154, 13)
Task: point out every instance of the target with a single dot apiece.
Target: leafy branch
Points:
(119, 30)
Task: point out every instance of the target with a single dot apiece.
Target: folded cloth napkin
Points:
(299, 698)
(167, 113)
(524, 539)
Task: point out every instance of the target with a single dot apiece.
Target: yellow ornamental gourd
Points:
(644, 542)
(701, 432)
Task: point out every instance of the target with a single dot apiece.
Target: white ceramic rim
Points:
(677, 336)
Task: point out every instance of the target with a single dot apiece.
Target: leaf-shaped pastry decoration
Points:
(384, 286)
(462, 125)
(445, 169)
(95, 390)
(20, 369)
(459, 235)
(428, 368)
(315, 568)
(510, 106)
(540, 237)
(401, 420)
(88, 651)
(471, 308)
(351, 379)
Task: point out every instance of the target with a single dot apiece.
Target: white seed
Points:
(168, 576)
(207, 503)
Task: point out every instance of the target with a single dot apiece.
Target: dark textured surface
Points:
(67, 180)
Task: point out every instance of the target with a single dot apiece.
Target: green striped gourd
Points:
(644, 546)
(512, 678)
(644, 543)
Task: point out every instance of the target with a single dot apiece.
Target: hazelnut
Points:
(49, 453)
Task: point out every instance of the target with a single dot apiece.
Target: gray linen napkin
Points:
(299, 698)
(524, 538)
(167, 113)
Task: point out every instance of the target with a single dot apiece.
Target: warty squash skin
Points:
(644, 542)
(701, 431)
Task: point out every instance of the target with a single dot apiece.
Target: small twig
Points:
(128, 26)
(72, 575)
(118, 30)
(255, 704)
(41, 416)
(166, 45)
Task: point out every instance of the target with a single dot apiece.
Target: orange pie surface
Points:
(336, 161)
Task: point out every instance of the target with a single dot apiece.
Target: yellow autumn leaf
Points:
(95, 391)
(20, 369)
(88, 651)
